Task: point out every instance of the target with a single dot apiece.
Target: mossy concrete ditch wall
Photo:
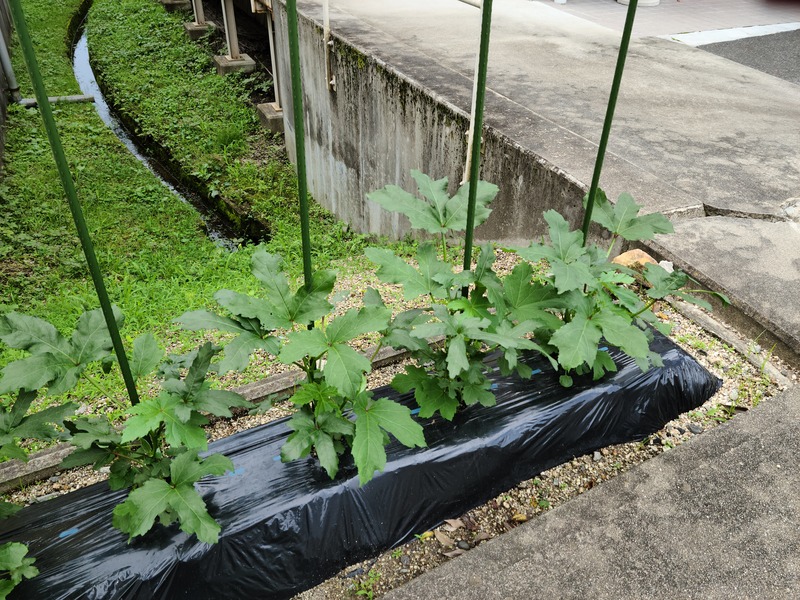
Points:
(380, 123)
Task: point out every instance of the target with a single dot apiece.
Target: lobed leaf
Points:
(421, 214)
(146, 355)
(577, 342)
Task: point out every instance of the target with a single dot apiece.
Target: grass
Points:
(167, 87)
(156, 259)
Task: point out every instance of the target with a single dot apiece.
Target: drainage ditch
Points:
(217, 229)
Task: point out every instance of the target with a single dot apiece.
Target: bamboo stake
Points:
(612, 103)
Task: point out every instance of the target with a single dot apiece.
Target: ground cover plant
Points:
(148, 67)
(156, 258)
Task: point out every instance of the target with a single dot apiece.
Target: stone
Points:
(271, 116)
(733, 395)
(197, 30)
(597, 457)
(462, 545)
(46, 497)
(176, 5)
(226, 64)
(694, 428)
(634, 259)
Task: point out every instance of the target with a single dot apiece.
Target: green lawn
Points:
(156, 259)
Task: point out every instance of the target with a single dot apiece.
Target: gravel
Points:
(744, 386)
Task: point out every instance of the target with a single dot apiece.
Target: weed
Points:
(366, 586)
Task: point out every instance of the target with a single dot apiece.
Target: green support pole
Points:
(612, 103)
(299, 137)
(477, 127)
(72, 196)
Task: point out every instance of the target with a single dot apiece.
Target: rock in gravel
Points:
(54, 479)
(597, 457)
(694, 428)
(733, 395)
(405, 559)
(45, 498)
(463, 545)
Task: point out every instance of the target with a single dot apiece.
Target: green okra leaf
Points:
(146, 355)
(577, 342)
(151, 413)
(8, 508)
(420, 213)
(622, 218)
(14, 561)
(373, 417)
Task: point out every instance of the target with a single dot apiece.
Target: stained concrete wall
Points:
(379, 124)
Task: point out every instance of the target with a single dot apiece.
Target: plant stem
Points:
(377, 349)
(444, 247)
(611, 245)
(647, 307)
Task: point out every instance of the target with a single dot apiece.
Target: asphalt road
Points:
(777, 54)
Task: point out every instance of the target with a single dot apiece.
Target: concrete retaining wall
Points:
(379, 124)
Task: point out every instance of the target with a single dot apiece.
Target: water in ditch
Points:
(216, 228)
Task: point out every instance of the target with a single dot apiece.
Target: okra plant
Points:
(335, 410)
(591, 296)
(564, 314)
(494, 315)
(156, 454)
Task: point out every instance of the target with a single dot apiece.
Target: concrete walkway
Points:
(713, 143)
(715, 518)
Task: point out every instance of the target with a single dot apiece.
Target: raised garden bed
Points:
(286, 527)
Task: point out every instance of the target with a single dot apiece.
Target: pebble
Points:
(405, 559)
(104, 470)
(694, 428)
(463, 545)
(45, 498)
(54, 479)
(757, 349)
(733, 395)
(597, 457)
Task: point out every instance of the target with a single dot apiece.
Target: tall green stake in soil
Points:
(299, 137)
(612, 104)
(72, 195)
(477, 128)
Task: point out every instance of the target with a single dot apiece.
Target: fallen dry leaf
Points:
(444, 540)
(452, 524)
(454, 553)
(520, 518)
